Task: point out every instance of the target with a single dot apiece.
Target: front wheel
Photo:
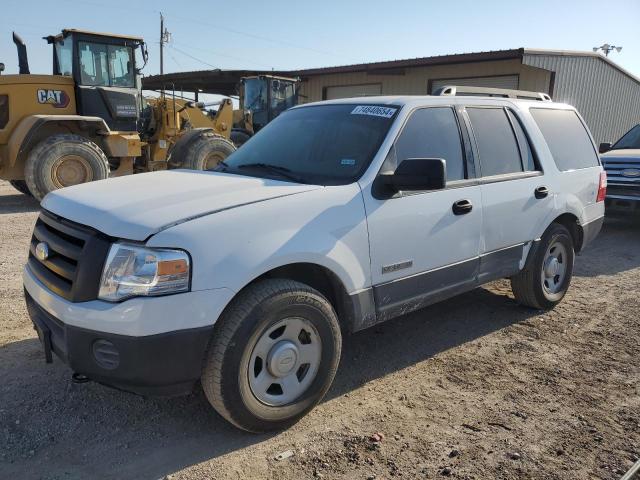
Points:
(206, 151)
(273, 356)
(545, 279)
(64, 160)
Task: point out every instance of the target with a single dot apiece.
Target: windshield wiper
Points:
(277, 169)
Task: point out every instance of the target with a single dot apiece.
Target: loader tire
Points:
(239, 137)
(21, 186)
(206, 151)
(64, 160)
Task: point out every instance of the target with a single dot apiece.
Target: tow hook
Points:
(79, 378)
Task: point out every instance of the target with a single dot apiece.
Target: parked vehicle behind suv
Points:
(621, 161)
(336, 216)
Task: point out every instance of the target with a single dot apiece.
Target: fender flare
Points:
(25, 135)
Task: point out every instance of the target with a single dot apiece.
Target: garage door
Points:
(347, 91)
(502, 81)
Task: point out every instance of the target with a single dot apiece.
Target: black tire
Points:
(528, 285)
(21, 186)
(239, 137)
(206, 151)
(64, 160)
(225, 376)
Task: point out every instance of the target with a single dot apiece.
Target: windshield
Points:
(323, 145)
(255, 94)
(64, 57)
(629, 140)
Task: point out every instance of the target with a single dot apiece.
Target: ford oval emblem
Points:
(631, 172)
(42, 251)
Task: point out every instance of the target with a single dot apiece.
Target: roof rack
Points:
(454, 90)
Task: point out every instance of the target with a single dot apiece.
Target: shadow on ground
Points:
(118, 435)
(615, 250)
(18, 203)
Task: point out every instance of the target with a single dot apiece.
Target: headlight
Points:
(131, 270)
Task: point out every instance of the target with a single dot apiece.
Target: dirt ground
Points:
(475, 387)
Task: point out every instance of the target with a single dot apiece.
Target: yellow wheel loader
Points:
(89, 120)
(262, 98)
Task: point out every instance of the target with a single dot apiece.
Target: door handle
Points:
(541, 192)
(462, 207)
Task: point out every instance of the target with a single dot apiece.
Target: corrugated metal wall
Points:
(608, 99)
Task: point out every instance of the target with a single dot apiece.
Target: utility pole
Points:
(161, 44)
(165, 37)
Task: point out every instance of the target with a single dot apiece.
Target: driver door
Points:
(422, 247)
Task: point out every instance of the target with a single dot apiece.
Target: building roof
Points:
(225, 82)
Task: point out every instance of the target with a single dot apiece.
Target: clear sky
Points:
(255, 34)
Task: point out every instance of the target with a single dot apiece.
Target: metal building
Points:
(607, 95)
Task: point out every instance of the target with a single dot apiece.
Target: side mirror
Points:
(415, 174)
(605, 147)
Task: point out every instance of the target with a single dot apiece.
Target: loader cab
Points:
(103, 67)
(267, 96)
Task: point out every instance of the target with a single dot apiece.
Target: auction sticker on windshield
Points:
(374, 110)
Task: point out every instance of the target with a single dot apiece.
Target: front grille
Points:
(76, 257)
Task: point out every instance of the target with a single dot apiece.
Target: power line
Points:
(252, 35)
(219, 54)
(192, 57)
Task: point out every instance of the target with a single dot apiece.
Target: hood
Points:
(630, 154)
(135, 207)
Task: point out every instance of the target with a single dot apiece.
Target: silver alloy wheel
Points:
(284, 361)
(554, 268)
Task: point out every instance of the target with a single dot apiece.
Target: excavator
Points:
(89, 120)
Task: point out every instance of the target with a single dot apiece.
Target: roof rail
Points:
(453, 90)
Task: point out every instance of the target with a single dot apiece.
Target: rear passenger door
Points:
(421, 247)
(515, 196)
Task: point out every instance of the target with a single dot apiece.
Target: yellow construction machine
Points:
(89, 120)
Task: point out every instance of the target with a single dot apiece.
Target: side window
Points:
(528, 160)
(566, 137)
(497, 147)
(433, 133)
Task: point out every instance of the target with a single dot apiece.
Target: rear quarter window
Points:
(567, 138)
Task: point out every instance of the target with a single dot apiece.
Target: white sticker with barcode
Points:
(374, 110)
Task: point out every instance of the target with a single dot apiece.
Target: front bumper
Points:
(160, 363)
(622, 204)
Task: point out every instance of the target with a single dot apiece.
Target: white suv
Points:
(336, 216)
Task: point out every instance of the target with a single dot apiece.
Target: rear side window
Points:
(567, 138)
(433, 133)
(497, 146)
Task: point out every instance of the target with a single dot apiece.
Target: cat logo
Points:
(57, 98)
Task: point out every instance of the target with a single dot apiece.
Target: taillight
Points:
(602, 188)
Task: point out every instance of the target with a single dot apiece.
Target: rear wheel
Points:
(206, 152)
(273, 355)
(62, 161)
(545, 279)
(21, 186)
